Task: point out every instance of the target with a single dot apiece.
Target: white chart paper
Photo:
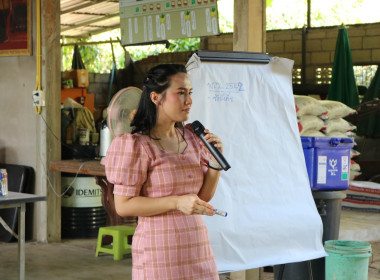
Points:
(272, 218)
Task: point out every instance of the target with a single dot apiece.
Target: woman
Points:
(163, 174)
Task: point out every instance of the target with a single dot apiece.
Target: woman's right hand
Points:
(191, 204)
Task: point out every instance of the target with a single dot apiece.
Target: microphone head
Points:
(198, 128)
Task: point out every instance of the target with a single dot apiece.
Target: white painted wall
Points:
(24, 137)
(18, 121)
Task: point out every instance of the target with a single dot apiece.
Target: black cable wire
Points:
(70, 147)
(75, 150)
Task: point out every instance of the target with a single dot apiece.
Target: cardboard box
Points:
(79, 77)
(78, 94)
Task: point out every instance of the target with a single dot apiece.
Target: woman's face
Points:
(176, 103)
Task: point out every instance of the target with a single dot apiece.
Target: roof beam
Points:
(89, 34)
(88, 23)
(90, 43)
(94, 2)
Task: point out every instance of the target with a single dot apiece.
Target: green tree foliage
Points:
(181, 45)
(286, 14)
(97, 58)
(293, 13)
(329, 13)
(225, 25)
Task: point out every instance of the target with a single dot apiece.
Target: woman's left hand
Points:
(212, 138)
(191, 204)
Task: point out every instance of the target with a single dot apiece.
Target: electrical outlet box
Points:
(38, 98)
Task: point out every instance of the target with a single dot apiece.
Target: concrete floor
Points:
(75, 259)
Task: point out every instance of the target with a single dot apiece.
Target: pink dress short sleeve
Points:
(171, 245)
(126, 165)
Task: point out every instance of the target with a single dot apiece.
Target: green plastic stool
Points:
(119, 246)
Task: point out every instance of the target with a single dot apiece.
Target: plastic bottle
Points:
(1, 184)
(4, 182)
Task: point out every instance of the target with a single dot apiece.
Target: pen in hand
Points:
(220, 212)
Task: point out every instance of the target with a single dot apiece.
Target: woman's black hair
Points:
(157, 80)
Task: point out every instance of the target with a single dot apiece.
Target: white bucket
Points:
(105, 140)
(80, 192)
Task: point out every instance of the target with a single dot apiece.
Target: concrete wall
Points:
(320, 50)
(142, 67)
(19, 125)
(320, 45)
(25, 137)
(99, 84)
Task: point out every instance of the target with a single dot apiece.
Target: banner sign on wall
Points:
(156, 20)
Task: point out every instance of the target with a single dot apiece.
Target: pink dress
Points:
(169, 246)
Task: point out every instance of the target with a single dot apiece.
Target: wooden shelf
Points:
(88, 167)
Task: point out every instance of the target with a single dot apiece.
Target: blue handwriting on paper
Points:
(224, 92)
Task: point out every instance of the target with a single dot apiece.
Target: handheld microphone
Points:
(199, 131)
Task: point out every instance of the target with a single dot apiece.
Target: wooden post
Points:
(249, 36)
(249, 25)
(49, 214)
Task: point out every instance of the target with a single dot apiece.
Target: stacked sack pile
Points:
(362, 195)
(311, 116)
(336, 126)
(325, 118)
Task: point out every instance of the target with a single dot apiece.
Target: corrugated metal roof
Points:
(83, 18)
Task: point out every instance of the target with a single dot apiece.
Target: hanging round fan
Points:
(121, 110)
